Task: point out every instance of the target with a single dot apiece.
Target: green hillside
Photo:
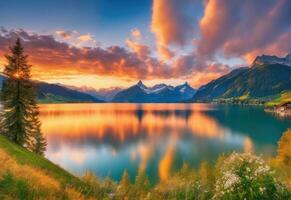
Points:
(54, 93)
(25, 175)
(261, 81)
(52, 98)
(257, 82)
(278, 99)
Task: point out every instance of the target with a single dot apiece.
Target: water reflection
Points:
(156, 138)
(166, 161)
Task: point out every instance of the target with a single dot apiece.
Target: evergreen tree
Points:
(19, 120)
(36, 142)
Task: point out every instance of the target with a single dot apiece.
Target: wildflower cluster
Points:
(245, 176)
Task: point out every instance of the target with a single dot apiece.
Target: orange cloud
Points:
(141, 50)
(171, 24)
(200, 71)
(75, 38)
(53, 59)
(50, 56)
(64, 34)
(136, 34)
(202, 78)
(280, 48)
(85, 38)
(245, 28)
(165, 52)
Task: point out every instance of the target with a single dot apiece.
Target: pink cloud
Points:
(141, 50)
(136, 34)
(240, 28)
(171, 24)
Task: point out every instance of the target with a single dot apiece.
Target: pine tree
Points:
(19, 120)
(36, 142)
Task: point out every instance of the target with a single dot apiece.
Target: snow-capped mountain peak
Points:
(157, 93)
(140, 84)
(154, 89)
(158, 86)
(183, 89)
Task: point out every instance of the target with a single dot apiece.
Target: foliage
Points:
(278, 99)
(16, 96)
(36, 142)
(48, 98)
(243, 84)
(25, 157)
(124, 188)
(181, 185)
(19, 181)
(20, 113)
(141, 186)
(240, 101)
(11, 187)
(283, 158)
(25, 175)
(267, 101)
(245, 176)
(284, 147)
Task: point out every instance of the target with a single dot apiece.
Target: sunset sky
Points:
(114, 43)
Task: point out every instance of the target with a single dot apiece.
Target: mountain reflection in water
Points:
(157, 138)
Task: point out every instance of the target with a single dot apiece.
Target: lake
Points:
(156, 138)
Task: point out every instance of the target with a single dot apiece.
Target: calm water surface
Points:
(157, 138)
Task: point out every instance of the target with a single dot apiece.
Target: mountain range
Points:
(54, 93)
(48, 93)
(104, 94)
(268, 75)
(160, 93)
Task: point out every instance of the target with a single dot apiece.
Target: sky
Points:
(115, 43)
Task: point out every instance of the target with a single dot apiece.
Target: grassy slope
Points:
(51, 98)
(281, 98)
(19, 166)
(268, 101)
(256, 83)
(22, 156)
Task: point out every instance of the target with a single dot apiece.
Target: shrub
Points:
(245, 176)
(283, 158)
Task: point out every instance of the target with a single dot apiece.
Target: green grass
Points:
(278, 99)
(23, 156)
(15, 188)
(26, 175)
(51, 98)
(244, 97)
(267, 101)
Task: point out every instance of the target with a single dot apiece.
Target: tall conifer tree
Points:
(20, 112)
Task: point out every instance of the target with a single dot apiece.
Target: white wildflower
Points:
(262, 189)
(231, 180)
